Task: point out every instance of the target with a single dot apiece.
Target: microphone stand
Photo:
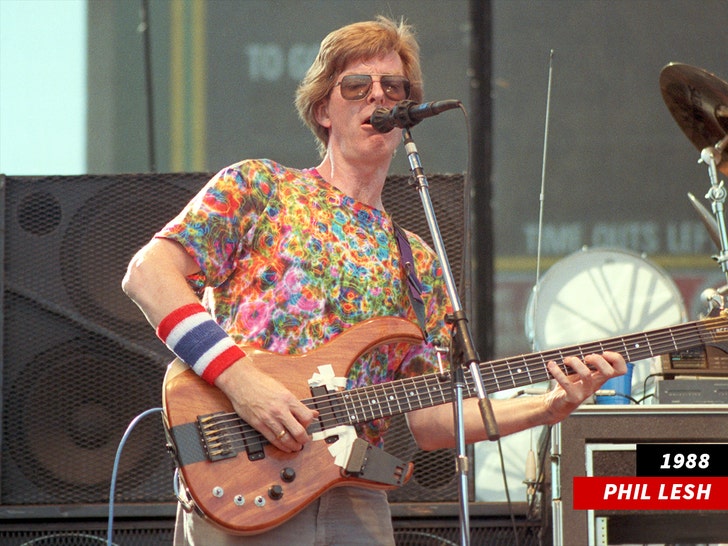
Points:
(462, 347)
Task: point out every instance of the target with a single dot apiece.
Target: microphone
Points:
(407, 113)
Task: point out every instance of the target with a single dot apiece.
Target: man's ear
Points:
(321, 113)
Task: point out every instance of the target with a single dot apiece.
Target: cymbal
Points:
(698, 100)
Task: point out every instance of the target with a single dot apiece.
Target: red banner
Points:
(650, 493)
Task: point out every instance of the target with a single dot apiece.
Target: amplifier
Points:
(703, 360)
(600, 440)
(692, 391)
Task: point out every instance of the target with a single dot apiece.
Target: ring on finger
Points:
(281, 434)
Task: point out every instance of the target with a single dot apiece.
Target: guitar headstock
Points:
(714, 330)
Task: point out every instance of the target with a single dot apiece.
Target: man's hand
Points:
(588, 378)
(266, 405)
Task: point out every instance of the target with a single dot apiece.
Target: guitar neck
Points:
(373, 402)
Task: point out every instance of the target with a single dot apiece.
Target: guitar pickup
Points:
(325, 408)
(374, 464)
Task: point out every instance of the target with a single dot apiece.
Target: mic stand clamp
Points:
(463, 350)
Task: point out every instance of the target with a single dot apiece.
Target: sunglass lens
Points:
(355, 87)
(396, 87)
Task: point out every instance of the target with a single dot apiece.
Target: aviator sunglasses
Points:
(358, 86)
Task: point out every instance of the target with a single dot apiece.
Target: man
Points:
(287, 260)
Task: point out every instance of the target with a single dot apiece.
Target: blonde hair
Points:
(354, 42)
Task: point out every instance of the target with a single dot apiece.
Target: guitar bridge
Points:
(216, 436)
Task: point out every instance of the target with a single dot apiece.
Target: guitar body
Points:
(235, 492)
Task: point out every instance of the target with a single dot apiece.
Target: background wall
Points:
(225, 72)
(618, 165)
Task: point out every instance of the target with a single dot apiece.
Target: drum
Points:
(600, 293)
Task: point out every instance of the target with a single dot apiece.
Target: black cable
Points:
(143, 28)
(508, 494)
(644, 383)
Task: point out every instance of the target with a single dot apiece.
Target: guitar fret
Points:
(528, 369)
(408, 394)
(519, 371)
(515, 373)
(634, 348)
(625, 351)
(391, 397)
(497, 383)
(417, 394)
(373, 405)
(420, 395)
(649, 345)
(513, 377)
(363, 403)
(431, 400)
(353, 407)
(444, 391)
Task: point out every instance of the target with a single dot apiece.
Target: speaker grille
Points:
(448, 196)
(79, 360)
(485, 531)
(434, 478)
(88, 533)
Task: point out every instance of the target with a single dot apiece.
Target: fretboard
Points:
(404, 395)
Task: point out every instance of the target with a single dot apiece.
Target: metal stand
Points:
(462, 348)
(711, 156)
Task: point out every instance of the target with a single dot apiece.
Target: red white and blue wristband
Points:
(192, 334)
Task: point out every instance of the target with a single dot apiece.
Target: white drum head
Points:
(596, 294)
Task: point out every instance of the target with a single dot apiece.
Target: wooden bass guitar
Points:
(247, 486)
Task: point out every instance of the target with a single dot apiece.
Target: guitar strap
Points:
(413, 282)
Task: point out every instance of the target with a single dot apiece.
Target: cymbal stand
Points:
(462, 347)
(711, 156)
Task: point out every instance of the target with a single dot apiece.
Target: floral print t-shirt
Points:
(288, 262)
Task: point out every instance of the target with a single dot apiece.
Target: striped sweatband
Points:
(191, 333)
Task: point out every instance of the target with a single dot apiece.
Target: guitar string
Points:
(425, 391)
(635, 347)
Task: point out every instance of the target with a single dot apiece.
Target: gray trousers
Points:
(344, 516)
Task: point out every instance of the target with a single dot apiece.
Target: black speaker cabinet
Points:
(601, 441)
(79, 361)
(88, 532)
(434, 478)
(489, 523)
